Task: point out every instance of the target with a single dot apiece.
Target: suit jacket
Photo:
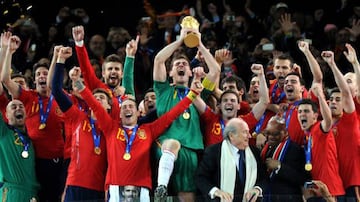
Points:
(286, 184)
(208, 173)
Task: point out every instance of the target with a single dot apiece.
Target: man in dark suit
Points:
(223, 174)
(285, 162)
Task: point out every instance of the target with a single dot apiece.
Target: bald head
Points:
(275, 130)
(15, 113)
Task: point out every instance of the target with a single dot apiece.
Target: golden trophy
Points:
(191, 40)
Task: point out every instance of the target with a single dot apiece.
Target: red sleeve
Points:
(105, 122)
(164, 121)
(87, 70)
(3, 103)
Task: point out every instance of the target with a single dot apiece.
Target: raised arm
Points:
(314, 65)
(54, 58)
(13, 45)
(160, 73)
(128, 78)
(3, 48)
(57, 80)
(348, 102)
(214, 67)
(260, 107)
(326, 122)
(221, 55)
(198, 102)
(87, 70)
(352, 58)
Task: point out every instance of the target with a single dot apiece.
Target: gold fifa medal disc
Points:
(97, 150)
(25, 154)
(42, 126)
(127, 156)
(308, 167)
(186, 115)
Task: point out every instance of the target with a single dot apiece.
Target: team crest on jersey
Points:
(141, 134)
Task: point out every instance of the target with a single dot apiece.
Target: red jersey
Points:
(296, 134)
(347, 137)
(244, 108)
(357, 108)
(136, 170)
(92, 82)
(48, 142)
(277, 94)
(3, 104)
(324, 159)
(87, 169)
(214, 125)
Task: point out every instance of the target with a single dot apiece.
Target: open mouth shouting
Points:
(303, 122)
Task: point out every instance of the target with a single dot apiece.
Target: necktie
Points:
(242, 166)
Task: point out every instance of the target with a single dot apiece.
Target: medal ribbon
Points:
(24, 141)
(182, 95)
(273, 95)
(44, 115)
(222, 125)
(307, 148)
(96, 137)
(130, 140)
(287, 118)
(260, 123)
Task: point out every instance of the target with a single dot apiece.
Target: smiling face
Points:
(129, 113)
(15, 113)
(149, 101)
(41, 79)
(275, 131)
(293, 89)
(229, 105)
(180, 72)
(112, 73)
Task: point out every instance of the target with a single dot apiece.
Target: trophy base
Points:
(191, 40)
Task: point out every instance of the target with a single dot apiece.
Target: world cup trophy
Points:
(191, 40)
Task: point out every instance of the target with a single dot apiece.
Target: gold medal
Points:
(254, 134)
(42, 126)
(127, 156)
(25, 154)
(308, 167)
(186, 115)
(97, 150)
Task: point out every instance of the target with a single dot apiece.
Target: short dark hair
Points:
(38, 65)
(106, 92)
(18, 75)
(239, 82)
(334, 90)
(302, 81)
(285, 56)
(112, 58)
(310, 102)
(230, 92)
